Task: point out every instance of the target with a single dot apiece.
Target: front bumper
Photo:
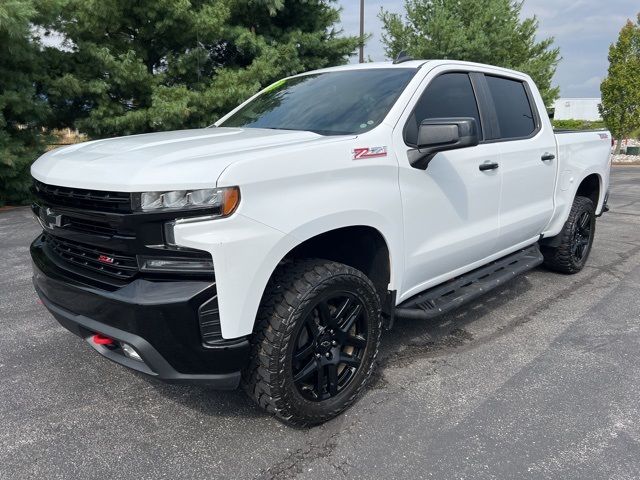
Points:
(159, 318)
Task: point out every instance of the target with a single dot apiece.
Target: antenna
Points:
(402, 57)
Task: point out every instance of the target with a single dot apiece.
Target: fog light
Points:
(130, 352)
(164, 264)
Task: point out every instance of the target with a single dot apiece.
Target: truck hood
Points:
(175, 160)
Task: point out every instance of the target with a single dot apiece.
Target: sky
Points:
(583, 29)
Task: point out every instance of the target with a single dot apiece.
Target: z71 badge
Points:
(369, 152)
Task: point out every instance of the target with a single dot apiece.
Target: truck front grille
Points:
(104, 262)
(96, 235)
(89, 226)
(96, 200)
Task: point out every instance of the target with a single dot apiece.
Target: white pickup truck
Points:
(270, 249)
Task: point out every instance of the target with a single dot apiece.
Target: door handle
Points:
(547, 156)
(488, 165)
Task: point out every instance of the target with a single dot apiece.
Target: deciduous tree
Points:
(620, 107)
(488, 31)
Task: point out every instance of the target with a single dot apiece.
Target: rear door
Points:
(450, 210)
(527, 160)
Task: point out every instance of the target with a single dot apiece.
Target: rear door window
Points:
(513, 108)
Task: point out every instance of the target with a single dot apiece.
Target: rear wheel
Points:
(575, 239)
(316, 341)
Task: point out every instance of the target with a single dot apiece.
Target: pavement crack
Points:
(322, 447)
(292, 465)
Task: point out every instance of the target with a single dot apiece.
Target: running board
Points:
(460, 290)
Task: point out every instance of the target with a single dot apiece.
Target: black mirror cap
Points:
(441, 134)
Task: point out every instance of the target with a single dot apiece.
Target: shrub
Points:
(578, 124)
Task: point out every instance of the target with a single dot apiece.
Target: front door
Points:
(450, 210)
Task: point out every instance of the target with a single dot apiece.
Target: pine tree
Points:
(620, 107)
(488, 31)
(152, 65)
(23, 108)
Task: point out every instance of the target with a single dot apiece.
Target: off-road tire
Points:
(561, 258)
(289, 297)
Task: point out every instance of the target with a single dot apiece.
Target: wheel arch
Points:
(360, 246)
(591, 187)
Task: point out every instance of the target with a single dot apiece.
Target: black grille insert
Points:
(99, 261)
(83, 199)
(89, 226)
(209, 317)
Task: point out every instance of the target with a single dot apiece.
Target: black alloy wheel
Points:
(581, 237)
(569, 250)
(315, 343)
(329, 346)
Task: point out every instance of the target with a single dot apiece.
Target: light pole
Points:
(361, 31)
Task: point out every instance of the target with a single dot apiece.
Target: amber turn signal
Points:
(230, 200)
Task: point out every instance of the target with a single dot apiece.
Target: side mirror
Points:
(441, 134)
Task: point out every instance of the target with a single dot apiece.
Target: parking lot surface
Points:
(540, 379)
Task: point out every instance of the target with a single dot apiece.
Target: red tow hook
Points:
(102, 340)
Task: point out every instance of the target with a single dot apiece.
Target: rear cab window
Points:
(514, 112)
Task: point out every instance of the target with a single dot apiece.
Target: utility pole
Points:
(361, 31)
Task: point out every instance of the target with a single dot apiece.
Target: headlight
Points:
(223, 200)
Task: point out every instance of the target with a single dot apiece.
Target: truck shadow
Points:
(413, 340)
(408, 342)
(206, 400)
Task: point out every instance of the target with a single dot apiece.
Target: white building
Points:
(577, 109)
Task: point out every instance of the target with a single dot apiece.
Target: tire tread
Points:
(291, 289)
(559, 258)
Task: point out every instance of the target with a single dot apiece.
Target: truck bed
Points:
(580, 154)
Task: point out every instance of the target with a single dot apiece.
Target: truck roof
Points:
(412, 64)
(371, 65)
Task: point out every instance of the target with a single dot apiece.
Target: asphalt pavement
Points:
(540, 379)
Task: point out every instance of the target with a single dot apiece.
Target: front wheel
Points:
(316, 341)
(575, 239)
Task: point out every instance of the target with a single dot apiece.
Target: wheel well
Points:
(590, 188)
(359, 247)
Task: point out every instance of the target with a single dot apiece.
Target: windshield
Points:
(332, 103)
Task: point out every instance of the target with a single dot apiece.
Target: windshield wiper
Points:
(318, 131)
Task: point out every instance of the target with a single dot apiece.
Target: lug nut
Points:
(317, 355)
(327, 354)
(334, 343)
